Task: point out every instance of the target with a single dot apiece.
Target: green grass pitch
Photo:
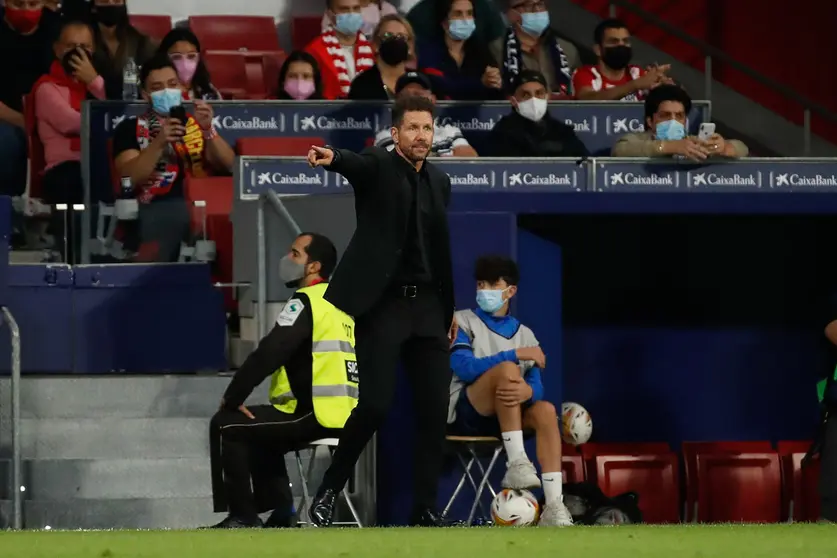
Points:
(704, 541)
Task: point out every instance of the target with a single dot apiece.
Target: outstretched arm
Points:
(360, 169)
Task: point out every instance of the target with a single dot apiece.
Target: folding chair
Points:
(474, 447)
(331, 444)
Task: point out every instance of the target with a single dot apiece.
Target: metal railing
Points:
(712, 53)
(17, 472)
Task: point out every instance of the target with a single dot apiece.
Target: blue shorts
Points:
(469, 422)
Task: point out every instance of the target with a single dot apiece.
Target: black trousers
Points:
(412, 329)
(62, 184)
(249, 476)
(828, 469)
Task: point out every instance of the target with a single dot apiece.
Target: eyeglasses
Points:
(178, 56)
(401, 36)
(538, 6)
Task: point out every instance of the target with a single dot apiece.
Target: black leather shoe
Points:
(427, 518)
(280, 520)
(322, 510)
(231, 522)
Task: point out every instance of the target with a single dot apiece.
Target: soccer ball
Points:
(576, 424)
(515, 508)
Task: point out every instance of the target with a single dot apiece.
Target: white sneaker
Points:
(520, 475)
(555, 514)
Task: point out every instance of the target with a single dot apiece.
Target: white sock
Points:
(513, 442)
(552, 485)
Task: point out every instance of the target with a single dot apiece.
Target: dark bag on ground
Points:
(589, 506)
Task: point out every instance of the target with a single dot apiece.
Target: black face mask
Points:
(394, 51)
(617, 57)
(68, 56)
(110, 16)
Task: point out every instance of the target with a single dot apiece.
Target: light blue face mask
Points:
(670, 130)
(162, 101)
(348, 24)
(461, 29)
(490, 300)
(535, 24)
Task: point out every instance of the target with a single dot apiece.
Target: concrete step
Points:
(121, 396)
(86, 479)
(112, 438)
(168, 513)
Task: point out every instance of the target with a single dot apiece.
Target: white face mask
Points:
(534, 109)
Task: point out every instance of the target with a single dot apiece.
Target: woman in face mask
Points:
(184, 50)
(468, 71)
(117, 41)
(299, 78)
(394, 45)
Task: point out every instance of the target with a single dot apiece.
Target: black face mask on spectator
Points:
(110, 16)
(617, 57)
(394, 51)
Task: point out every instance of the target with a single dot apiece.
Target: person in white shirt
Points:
(448, 140)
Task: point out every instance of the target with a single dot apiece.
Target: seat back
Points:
(305, 29)
(277, 146)
(690, 452)
(573, 468)
(228, 71)
(36, 161)
(654, 477)
(739, 487)
(800, 485)
(234, 32)
(155, 26)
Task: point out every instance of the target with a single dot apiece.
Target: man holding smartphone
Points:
(158, 149)
(666, 109)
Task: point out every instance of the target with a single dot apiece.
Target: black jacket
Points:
(516, 136)
(382, 203)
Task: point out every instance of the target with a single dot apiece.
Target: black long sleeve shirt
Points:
(288, 344)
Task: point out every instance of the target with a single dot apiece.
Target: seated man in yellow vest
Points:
(310, 354)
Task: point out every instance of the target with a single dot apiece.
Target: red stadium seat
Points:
(231, 32)
(800, 490)
(590, 450)
(572, 464)
(654, 477)
(278, 146)
(250, 75)
(155, 26)
(217, 192)
(690, 452)
(305, 29)
(739, 487)
(36, 162)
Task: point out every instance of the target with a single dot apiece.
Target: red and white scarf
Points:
(364, 58)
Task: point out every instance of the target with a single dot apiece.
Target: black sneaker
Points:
(231, 522)
(322, 510)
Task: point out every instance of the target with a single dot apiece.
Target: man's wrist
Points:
(209, 134)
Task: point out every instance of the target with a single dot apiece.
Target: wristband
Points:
(210, 134)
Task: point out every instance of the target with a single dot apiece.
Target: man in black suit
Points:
(396, 280)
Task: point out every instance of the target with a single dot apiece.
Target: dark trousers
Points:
(828, 469)
(62, 184)
(412, 329)
(249, 476)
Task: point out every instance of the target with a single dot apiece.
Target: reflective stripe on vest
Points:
(334, 389)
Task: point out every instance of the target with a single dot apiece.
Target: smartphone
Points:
(706, 131)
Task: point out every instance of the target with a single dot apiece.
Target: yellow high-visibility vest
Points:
(334, 370)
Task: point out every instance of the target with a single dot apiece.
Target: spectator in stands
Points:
(497, 389)
(27, 34)
(117, 41)
(372, 12)
(157, 152)
(184, 50)
(343, 51)
(666, 109)
(313, 390)
(530, 43)
(394, 45)
(448, 140)
(299, 78)
(467, 66)
(58, 97)
(614, 78)
(425, 21)
(529, 130)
